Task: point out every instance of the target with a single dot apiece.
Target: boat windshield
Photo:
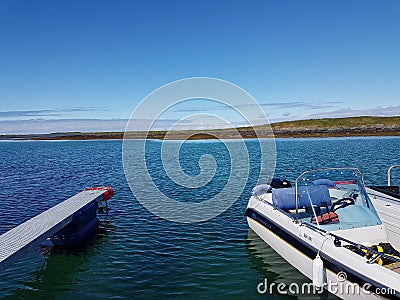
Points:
(335, 199)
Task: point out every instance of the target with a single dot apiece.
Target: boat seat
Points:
(308, 196)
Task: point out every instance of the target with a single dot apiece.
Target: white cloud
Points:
(20, 114)
(81, 125)
(344, 112)
(193, 122)
(61, 125)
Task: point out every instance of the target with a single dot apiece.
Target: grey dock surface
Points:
(29, 235)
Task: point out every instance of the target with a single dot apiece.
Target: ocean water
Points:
(139, 255)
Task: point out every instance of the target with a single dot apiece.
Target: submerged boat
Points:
(68, 223)
(326, 226)
(84, 224)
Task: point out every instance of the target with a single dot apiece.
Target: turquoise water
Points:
(141, 256)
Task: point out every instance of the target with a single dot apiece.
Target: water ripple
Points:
(140, 255)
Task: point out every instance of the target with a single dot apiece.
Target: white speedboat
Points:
(327, 227)
(386, 200)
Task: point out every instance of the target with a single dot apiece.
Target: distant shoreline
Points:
(195, 136)
(318, 128)
(120, 136)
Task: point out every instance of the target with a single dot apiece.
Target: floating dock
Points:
(29, 235)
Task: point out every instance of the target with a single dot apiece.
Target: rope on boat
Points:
(360, 246)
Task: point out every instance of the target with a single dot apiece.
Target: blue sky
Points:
(85, 65)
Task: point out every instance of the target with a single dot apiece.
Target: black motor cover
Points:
(278, 183)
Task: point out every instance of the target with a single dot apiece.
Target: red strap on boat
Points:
(345, 182)
(109, 192)
(95, 188)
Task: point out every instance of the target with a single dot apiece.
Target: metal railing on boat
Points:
(389, 172)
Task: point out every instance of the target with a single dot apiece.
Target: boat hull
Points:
(304, 263)
(299, 246)
(83, 225)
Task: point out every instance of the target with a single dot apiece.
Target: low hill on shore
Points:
(352, 126)
(328, 127)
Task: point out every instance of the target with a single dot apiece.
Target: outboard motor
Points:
(278, 183)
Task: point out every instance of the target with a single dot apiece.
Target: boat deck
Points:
(29, 235)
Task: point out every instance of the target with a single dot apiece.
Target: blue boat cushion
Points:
(326, 182)
(286, 198)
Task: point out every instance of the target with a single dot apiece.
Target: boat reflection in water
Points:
(275, 270)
